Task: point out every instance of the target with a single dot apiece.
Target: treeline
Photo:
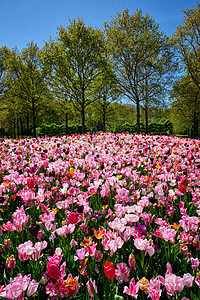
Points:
(153, 128)
(86, 75)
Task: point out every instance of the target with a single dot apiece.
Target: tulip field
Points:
(100, 216)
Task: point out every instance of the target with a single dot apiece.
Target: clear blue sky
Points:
(22, 21)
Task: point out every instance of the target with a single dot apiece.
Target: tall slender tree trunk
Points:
(146, 116)
(27, 124)
(21, 126)
(17, 128)
(146, 106)
(104, 113)
(83, 110)
(9, 131)
(104, 121)
(138, 115)
(195, 124)
(83, 118)
(33, 117)
(192, 132)
(14, 129)
(66, 123)
(195, 119)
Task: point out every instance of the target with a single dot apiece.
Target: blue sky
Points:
(23, 21)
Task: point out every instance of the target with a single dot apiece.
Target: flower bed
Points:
(106, 216)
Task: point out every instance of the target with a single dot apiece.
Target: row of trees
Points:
(185, 94)
(85, 70)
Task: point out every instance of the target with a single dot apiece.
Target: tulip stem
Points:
(112, 287)
(142, 294)
(142, 259)
(59, 291)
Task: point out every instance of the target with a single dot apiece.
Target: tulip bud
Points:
(7, 243)
(10, 262)
(131, 261)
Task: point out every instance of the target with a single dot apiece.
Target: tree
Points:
(74, 60)
(107, 93)
(9, 103)
(137, 49)
(27, 84)
(4, 51)
(54, 68)
(187, 42)
(158, 78)
(185, 109)
(122, 113)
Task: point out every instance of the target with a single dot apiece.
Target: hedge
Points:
(54, 129)
(153, 128)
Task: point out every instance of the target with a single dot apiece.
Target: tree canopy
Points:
(187, 41)
(141, 55)
(75, 58)
(85, 75)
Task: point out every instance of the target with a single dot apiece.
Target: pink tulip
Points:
(90, 291)
(188, 279)
(32, 288)
(133, 288)
(122, 273)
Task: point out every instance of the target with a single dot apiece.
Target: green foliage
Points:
(142, 56)
(153, 128)
(165, 127)
(73, 63)
(186, 40)
(82, 74)
(3, 69)
(26, 91)
(185, 108)
(54, 129)
(2, 132)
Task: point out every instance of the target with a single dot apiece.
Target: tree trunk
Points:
(83, 119)
(14, 129)
(192, 132)
(194, 125)
(146, 116)
(104, 121)
(146, 105)
(9, 131)
(21, 126)
(17, 127)
(83, 110)
(33, 117)
(27, 124)
(104, 113)
(138, 115)
(195, 121)
(66, 123)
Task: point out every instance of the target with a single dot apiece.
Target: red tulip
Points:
(30, 183)
(53, 270)
(73, 218)
(109, 270)
(182, 189)
(69, 175)
(184, 181)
